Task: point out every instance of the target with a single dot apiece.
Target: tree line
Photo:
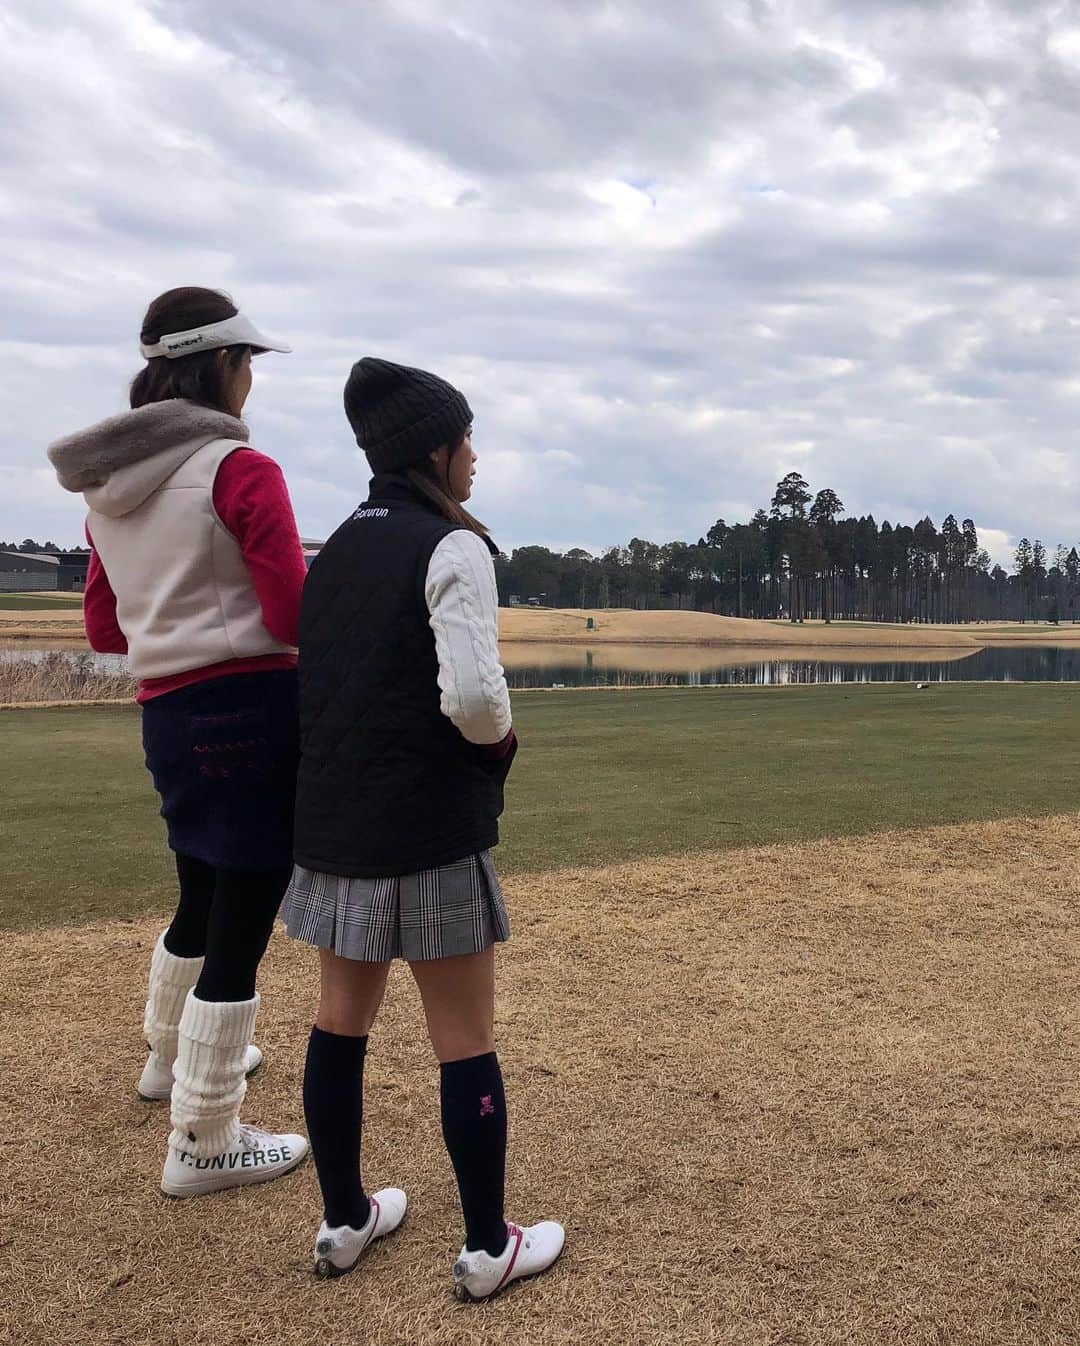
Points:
(799, 559)
(29, 545)
(802, 559)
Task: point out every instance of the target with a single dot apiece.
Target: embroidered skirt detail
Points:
(223, 756)
(436, 913)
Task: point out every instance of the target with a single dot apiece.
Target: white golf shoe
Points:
(155, 1083)
(528, 1251)
(338, 1250)
(255, 1156)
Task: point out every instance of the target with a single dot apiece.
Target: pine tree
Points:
(1024, 561)
(824, 512)
(791, 497)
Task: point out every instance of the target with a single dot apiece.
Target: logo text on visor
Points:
(235, 331)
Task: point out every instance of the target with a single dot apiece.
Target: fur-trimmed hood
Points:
(119, 462)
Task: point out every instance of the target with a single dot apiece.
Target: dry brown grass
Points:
(819, 1094)
(1024, 633)
(44, 624)
(559, 625)
(562, 626)
(60, 677)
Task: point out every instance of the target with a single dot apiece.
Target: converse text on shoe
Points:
(255, 1156)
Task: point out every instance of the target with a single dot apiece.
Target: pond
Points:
(538, 665)
(614, 666)
(75, 650)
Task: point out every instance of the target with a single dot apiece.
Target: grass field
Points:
(52, 617)
(815, 1095)
(790, 1076)
(39, 602)
(628, 625)
(602, 777)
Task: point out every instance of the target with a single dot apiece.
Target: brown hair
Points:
(424, 477)
(200, 377)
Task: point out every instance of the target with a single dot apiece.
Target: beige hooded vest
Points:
(184, 594)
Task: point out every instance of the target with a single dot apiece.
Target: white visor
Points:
(238, 331)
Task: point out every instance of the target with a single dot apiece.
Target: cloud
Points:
(668, 252)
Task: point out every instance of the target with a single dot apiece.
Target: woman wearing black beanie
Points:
(406, 741)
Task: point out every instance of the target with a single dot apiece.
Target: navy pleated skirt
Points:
(223, 754)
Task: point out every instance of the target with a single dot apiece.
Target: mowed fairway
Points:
(601, 777)
(794, 1065)
(40, 602)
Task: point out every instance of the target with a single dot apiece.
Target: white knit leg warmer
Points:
(171, 979)
(208, 1077)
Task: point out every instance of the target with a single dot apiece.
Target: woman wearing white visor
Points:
(195, 573)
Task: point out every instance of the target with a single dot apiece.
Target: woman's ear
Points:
(441, 459)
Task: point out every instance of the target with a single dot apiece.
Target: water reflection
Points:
(539, 665)
(686, 666)
(76, 649)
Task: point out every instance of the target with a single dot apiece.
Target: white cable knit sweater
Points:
(463, 601)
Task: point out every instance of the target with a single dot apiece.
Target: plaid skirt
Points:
(436, 913)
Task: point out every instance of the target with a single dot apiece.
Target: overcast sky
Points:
(669, 251)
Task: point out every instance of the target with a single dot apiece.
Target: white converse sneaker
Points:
(156, 1081)
(255, 1156)
(528, 1252)
(338, 1250)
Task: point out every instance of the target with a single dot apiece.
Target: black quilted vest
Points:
(387, 784)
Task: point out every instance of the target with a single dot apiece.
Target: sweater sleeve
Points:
(99, 608)
(252, 501)
(464, 606)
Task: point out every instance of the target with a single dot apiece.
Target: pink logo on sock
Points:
(486, 1110)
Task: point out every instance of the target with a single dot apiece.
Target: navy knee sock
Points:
(334, 1110)
(474, 1128)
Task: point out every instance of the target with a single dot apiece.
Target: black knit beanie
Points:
(400, 415)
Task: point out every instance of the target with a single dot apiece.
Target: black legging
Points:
(226, 915)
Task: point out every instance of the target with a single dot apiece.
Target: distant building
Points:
(24, 572)
(72, 576)
(311, 547)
